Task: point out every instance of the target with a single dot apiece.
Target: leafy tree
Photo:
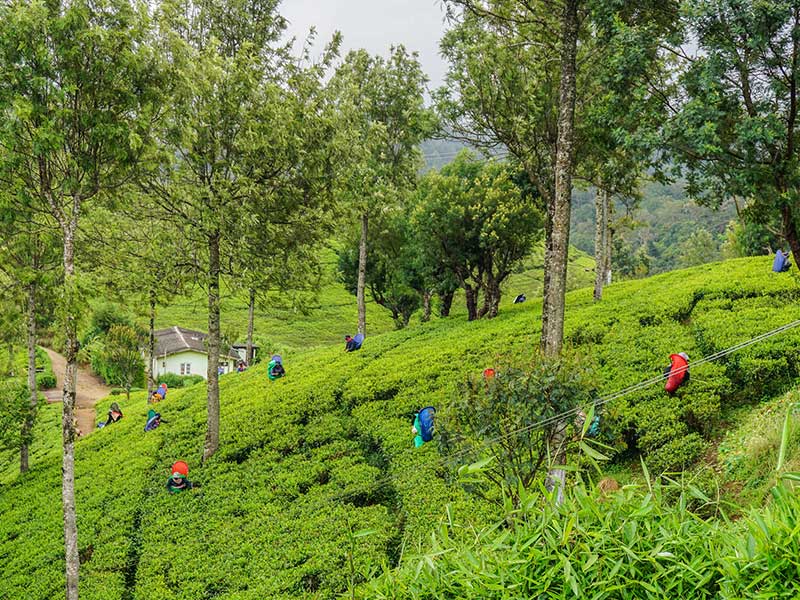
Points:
(79, 90)
(246, 143)
(508, 408)
(630, 261)
(382, 108)
(120, 357)
(505, 89)
(746, 238)
(736, 132)
(698, 249)
(473, 222)
(140, 261)
(279, 263)
(392, 274)
(29, 258)
(622, 112)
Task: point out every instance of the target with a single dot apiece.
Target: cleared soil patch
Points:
(90, 390)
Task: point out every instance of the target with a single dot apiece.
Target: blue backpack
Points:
(779, 264)
(153, 420)
(426, 416)
(359, 339)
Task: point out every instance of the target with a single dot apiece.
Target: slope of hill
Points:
(317, 485)
(334, 313)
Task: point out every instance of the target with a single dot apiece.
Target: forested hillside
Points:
(317, 484)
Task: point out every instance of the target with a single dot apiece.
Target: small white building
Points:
(183, 352)
(240, 350)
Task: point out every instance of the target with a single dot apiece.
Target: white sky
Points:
(374, 25)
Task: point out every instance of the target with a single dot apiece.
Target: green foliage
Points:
(507, 407)
(738, 113)
(178, 381)
(118, 359)
(746, 238)
(637, 543)
(14, 406)
(698, 249)
(749, 452)
(649, 236)
(105, 315)
(393, 275)
(329, 444)
(473, 224)
(45, 381)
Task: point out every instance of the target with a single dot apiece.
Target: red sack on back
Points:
(677, 372)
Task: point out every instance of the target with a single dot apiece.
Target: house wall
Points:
(198, 362)
(242, 352)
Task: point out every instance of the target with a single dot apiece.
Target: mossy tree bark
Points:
(212, 396)
(362, 276)
(27, 425)
(557, 249)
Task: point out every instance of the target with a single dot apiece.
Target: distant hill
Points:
(665, 219)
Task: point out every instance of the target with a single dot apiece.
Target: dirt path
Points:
(90, 390)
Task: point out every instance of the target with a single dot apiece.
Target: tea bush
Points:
(311, 460)
(177, 381)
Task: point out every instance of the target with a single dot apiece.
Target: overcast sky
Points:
(374, 25)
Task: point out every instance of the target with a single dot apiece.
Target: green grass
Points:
(327, 449)
(334, 313)
(748, 452)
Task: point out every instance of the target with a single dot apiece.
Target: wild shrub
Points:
(498, 419)
(629, 544)
(14, 406)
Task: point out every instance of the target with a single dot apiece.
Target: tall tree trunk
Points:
(362, 276)
(27, 425)
(495, 294)
(472, 302)
(609, 234)
(212, 423)
(599, 243)
(553, 333)
(557, 475)
(251, 312)
(445, 303)
(67, 415)
(790, 233)
(487, 301)
(547, 273)
(426, 305)
(151, 345)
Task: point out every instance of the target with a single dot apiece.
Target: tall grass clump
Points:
(631, 544)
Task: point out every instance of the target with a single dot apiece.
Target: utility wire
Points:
(447, 460)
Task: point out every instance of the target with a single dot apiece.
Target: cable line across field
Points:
(447, 460)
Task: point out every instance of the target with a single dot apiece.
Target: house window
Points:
(183, 369)
(186, 368)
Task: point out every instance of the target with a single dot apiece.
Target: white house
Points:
(183, 352)
(240, 350)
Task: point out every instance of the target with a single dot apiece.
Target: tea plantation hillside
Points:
(317, 485)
